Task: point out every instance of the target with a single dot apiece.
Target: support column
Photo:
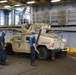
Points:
(31, 15)
(6, 17)
(13, 16)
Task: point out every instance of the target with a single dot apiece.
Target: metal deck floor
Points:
(20, 65)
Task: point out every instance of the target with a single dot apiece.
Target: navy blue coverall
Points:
(3, 53)
(32, 41)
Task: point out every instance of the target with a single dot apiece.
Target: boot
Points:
(1, 62)
(33, 64)
(4, 63)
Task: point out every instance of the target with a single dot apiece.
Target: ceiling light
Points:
(55, 0)
(7, 6)
(3, 1)
(20, 9)
(30, 2)
(17, 5)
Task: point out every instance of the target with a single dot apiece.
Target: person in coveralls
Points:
(33, 49)
(2, 49)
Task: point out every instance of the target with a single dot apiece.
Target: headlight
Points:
(64, 40)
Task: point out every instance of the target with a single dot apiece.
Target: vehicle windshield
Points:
(52, 33)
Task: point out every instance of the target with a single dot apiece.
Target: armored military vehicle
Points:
(47, 43)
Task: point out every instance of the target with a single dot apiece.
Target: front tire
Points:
(43, 53)
(9, 49)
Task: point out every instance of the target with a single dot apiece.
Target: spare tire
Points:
(43, 53)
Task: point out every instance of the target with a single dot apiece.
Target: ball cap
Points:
(3, 31)
(33, 32)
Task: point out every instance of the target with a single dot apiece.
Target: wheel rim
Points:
(43, 53)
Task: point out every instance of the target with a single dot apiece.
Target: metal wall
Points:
(53, 12)
(69, 36)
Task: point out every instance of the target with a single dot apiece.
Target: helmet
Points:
(33, 32)
(3, 31)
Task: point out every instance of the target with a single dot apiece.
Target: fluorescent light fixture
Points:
(19, 9)
(30, 2)
(17, 5)
(7, 6)
(55, 0)
(3, 1)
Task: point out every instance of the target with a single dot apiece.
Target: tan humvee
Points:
(47, 43)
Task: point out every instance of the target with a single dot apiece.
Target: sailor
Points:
(33, 49)
(2, 48)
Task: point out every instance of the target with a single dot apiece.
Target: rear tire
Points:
(44, 54)
(9, 49)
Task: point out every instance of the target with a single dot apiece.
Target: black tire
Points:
(64, 54)
(43, 53)
(9, 49)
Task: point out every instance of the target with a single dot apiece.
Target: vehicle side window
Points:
(27, 38)
(18, 38)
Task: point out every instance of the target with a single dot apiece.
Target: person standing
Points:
(2, 48)
(33, 49)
